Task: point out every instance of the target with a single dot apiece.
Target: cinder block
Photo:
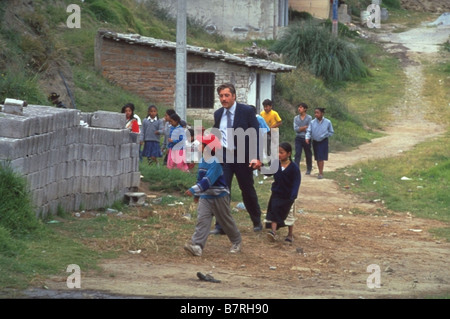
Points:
(125, 151)
(13, 109)
(98, 152)
(9, 148)
(80, 168)
(52, 191)
(14, 126)
(72, 135)
(17, 165)
(38, 197)
(135, 179)
(111, 120)
(72, 152)
(86, 152)
(135, 198)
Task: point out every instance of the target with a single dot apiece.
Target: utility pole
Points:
(181, 57)
(334, 29)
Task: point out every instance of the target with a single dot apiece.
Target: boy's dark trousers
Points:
(300, 144)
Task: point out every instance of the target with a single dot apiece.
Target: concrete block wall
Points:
(71, 164)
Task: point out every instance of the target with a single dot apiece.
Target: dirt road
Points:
(335, 252)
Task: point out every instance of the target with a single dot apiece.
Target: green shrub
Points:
(9, 247)
(19, 85)
(331, 58)
(392, 4)
(16, 209)
(113, 12)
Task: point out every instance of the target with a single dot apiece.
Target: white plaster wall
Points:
(233, 18)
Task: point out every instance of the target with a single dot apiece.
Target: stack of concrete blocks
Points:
(71, 160)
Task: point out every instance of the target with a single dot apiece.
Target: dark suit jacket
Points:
(244, 118)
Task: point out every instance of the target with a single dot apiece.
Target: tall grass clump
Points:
(16, 210)
(313, 46)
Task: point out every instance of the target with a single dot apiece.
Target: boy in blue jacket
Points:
(213, 197)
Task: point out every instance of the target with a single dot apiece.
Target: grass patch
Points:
(426, 193)
(372, 98)
(298, 86)
(18, 84)
(167, 180)
(436, 90)
(93, 93)
(30, 249)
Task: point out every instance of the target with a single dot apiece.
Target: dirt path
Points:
(333, 248)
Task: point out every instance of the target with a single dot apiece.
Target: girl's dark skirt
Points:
(151, 149)
(320, 150)
(277, 211)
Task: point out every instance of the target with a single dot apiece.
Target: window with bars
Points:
(200, 90)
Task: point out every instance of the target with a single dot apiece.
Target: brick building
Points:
(147, 67)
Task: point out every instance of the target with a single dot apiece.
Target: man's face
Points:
(227, 99)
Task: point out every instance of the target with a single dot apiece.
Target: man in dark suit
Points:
(237, 123)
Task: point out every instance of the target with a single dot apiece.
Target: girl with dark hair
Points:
(152, 129)
(176, 158)
(319, 130)
(132, 123)
(284, 189)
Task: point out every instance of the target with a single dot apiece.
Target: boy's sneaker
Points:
(235, 248)
(194, 250)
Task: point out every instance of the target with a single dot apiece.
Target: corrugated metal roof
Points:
(221, 55)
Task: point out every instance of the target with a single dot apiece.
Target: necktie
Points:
(229, 120)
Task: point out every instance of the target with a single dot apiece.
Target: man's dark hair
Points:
(227, 86)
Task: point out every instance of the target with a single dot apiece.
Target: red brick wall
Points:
(142, 70)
